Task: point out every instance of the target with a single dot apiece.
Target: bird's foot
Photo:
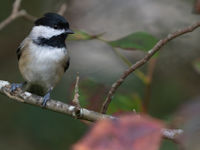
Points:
(46, 98)
(14, 86)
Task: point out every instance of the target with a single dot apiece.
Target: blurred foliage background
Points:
(175, 78)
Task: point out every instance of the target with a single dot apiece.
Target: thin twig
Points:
(60, 107)
(62, 9)
(141, 62)
(28, 16)
(16, 13)
(16, 6)
(75, 101)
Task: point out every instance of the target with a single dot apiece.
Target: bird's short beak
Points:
(69, 31)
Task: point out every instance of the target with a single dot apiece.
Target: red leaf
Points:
(129, 132)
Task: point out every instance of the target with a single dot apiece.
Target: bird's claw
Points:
(14, 86)
(45, 99)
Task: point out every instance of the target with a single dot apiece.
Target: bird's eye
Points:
(55, 26)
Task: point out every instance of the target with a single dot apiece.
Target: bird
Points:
(43, 57)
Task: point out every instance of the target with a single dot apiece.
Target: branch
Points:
(146, 58)
(53, 105)
(16, 13)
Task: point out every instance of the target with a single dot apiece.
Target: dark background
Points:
(24, 127)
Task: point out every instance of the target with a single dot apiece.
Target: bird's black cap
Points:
(53, 20)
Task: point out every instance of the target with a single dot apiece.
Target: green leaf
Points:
(139, 40)
(79, 35)
(125, 103)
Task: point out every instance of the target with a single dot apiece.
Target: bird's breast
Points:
(42, 64)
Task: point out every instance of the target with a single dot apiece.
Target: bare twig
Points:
(28, 16)
(60, 107)
(16, 6)
(141, 62)
(62, 9)
(75, 101)
(16, 13)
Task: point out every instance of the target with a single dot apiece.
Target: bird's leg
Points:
(14, 86)
(46, 97)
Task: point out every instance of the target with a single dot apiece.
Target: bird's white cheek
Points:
(45, 32)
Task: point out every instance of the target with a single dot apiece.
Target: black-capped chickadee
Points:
(42, 56)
